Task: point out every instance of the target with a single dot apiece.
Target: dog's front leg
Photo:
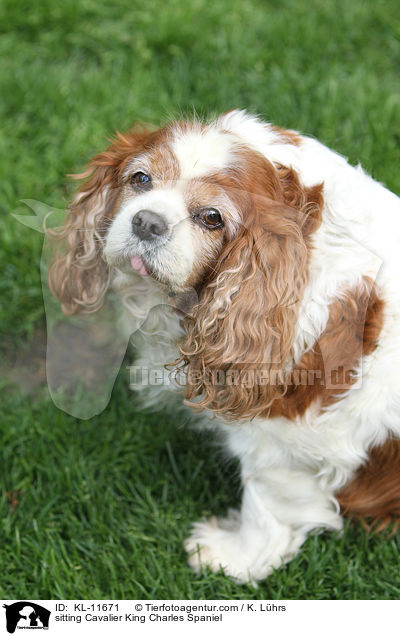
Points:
(279, 508)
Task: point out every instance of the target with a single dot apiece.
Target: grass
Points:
(99, 509)
(105, 505)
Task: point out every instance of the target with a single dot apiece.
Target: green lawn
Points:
(100, 508)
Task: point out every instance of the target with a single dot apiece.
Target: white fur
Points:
(199, 153)
(177, 258)
(291, 470)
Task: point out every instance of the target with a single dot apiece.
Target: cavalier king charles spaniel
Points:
(271, 267)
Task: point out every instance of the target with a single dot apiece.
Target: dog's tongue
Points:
(138, 265)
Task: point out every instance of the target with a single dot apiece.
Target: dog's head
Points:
(195, 206)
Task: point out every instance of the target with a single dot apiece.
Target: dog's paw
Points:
(217, 544)
(247, 553)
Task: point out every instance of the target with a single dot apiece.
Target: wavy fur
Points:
(79, 275)
(247, 314)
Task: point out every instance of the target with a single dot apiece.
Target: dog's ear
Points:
(239, 346)
(79, 275)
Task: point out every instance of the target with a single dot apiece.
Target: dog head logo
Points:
(26, 615)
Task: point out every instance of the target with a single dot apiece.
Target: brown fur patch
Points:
(327, 371)
(253, 178)
(287, 136)
(109, 166)
(374, 493)
(261, 273)
(309, 200)
(203, 193)
(164, 166)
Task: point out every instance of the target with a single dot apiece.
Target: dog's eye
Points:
(211, 218)
(141, 181)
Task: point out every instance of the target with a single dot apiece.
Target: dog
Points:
(272, 267)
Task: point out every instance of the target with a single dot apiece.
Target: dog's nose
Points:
(148, 225)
